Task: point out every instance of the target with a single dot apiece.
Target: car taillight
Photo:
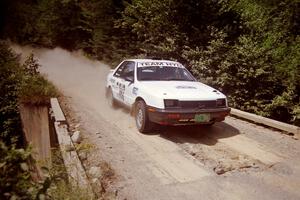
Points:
(221, 102)
(169, 103)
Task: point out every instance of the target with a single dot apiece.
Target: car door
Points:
(128, 82)
(118, 86)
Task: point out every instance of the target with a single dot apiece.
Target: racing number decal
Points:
(112, 80)
(121, 91)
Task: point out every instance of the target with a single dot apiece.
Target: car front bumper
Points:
(186, 116)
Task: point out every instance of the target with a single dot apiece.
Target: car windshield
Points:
(163, 73)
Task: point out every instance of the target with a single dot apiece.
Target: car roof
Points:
(150, 60)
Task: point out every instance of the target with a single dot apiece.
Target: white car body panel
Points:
(154, 92)
(180, 90)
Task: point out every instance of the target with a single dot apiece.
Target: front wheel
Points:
(143, 124)
(208, 125)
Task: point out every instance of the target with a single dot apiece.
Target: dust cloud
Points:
(67, 70)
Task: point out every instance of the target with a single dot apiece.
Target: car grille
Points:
(198, 104)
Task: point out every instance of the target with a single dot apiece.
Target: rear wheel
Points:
(143, 124)
(110, 98)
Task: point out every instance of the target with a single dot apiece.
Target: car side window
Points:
(119, 71)
(128, 71)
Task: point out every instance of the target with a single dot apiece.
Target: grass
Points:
(60, 187)
(37, 90)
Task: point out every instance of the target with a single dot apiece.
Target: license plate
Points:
(202, 117)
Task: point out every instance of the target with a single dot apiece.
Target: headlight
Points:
(221, 103)
(170, 103)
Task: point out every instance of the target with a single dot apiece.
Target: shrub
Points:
(15, 177)
(35, 90)
(10, 83)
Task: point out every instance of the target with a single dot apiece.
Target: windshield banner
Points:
(162, 64)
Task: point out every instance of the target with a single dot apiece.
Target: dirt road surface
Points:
(231, 160)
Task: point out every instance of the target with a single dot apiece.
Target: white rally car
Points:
(164, 92)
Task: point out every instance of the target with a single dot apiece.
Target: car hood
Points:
(182, 90)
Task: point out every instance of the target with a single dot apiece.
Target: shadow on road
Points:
(194, 134)
(198, 134)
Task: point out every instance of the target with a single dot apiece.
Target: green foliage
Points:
(10, 84)
(22, 16)
(163, 28)
(271, 33)
(31, 66)
(46, 23)
(36, 90)
(63, 190)
(102, 14)
(235, 70)
(66, 21)
(56, 185)
(15, 177)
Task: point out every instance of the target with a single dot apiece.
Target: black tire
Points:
(143, 124)
(209, 124)
(110, 98)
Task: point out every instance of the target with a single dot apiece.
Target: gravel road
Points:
(233, 159)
